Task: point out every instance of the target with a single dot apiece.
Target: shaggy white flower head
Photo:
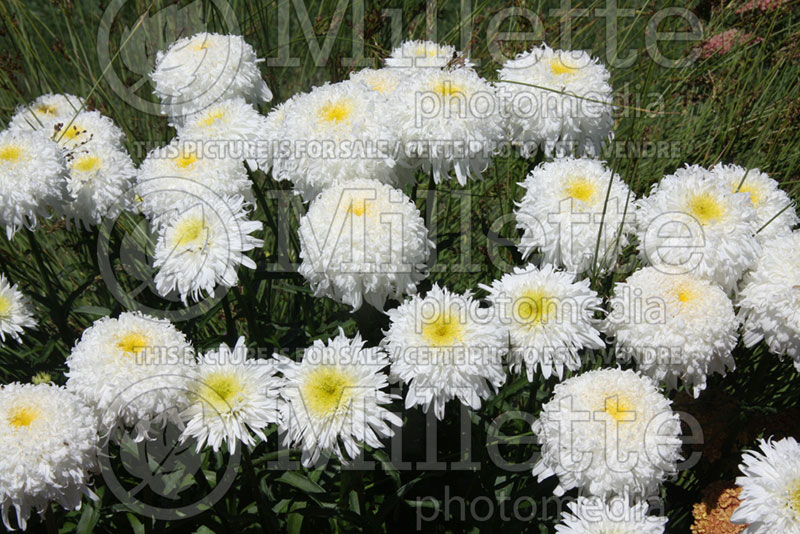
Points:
(183, 171)
(769, 302)
(133, 370)
(561, 214)
(334, 399)
(569, 110)
(234, 128)
(233, 398)
(45, 111)
(692, 223)
(15, 311)
(592, 515)
(201, 245)
(363, 241)
(383, 81)
(768, 200)
(198, 71)
(610, 433)
(770, 488)
(548, 315)
(334, 134)
(32, 183)
(425, 55)
(99, 183)
(49, 443)
(445, 347)
(674, 326)
(88, 129)
(449, 120)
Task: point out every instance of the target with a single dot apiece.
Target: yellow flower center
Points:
(752, 190)
(326, 391)
(686, 292)
(184, 161)
(559, 68)
(132, 343)
(72, 132)
(619, 408)
(705, 208)
(580, 189)
(426, 51)
(23, 416)
(5, 305)
(443, 331)
(10, 153)
(446, 88)
(190, 230)
(794, 498)
(86, 163)
(358, 207)
(212, 117)
(337, 111)
(44, 109)
(535, 306)
(221, 390)
(201, 46)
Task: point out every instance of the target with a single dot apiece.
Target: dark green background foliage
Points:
(742, 107)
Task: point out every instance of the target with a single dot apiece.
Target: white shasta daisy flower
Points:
(549, 317)
(610, 433)
(363, 241)
(770, 488)
(15, 311)
(692, 223)
(562, 214)
(769, 301)
(45, 111)
(569, 111)
(424, 54)
(133, 370)
(88, 129)
(272, 126)
(201, 245)
(49, 442)
(449, 120)
(232, 127)
(592, 515)
(233, 398)
(334, 133)
(767, 198)
(334, 399)
(198, 71)
(99, 183)
(674, 326)
(32, 183)
(383, 81)
(445, 347)
(183, 171)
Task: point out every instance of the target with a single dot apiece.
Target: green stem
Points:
(252, 479)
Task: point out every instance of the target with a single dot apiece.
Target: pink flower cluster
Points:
(722, 43)
(760, 5)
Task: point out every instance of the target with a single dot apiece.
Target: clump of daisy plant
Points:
(334, 399)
